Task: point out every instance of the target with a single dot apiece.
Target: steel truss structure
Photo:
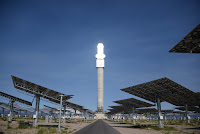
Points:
(167, 90)
(190, 108)
(51, 95)
(133, 104)
(190, 43)
(39, 91)
(6, 107)
(12, 100)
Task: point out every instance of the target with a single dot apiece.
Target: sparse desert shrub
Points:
(52, 130)
(41, 131)
(47, 131)
(8, 126)
(20, 121)
(23, 126)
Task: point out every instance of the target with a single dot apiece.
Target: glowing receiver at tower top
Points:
(100, 55)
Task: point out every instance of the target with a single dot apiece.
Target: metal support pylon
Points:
(75, 114)
(134, 115)
(11, 110)
(161, 125)
(2, 112)
(186, 113)
(60, 113)
(64, 110)
(35, 123)
(86, 116)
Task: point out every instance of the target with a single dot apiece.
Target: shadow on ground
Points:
(196, 128)
(125, 126)
(48, 126)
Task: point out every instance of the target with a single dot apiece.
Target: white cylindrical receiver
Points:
(100, 55)
(100, 51)
(100, 48)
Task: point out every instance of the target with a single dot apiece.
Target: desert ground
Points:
(24, 126)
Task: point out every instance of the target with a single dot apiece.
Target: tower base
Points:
(100, 116)
(100, 110)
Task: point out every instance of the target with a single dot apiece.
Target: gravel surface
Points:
(71, 127)
(128, 129)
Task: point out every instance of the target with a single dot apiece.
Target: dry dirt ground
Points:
(129, 129)
(4, 128)
(13, 127)
(73, 127)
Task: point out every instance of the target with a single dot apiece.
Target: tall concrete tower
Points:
(100, 67)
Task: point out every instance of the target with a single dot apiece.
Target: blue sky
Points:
(53, 43)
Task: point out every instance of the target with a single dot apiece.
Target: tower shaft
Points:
(100, 89)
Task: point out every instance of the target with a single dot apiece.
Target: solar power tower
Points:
(133, 103)
(167, 90)
(190, 43)
(12, 100)
(100, 72)
(39, 91)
